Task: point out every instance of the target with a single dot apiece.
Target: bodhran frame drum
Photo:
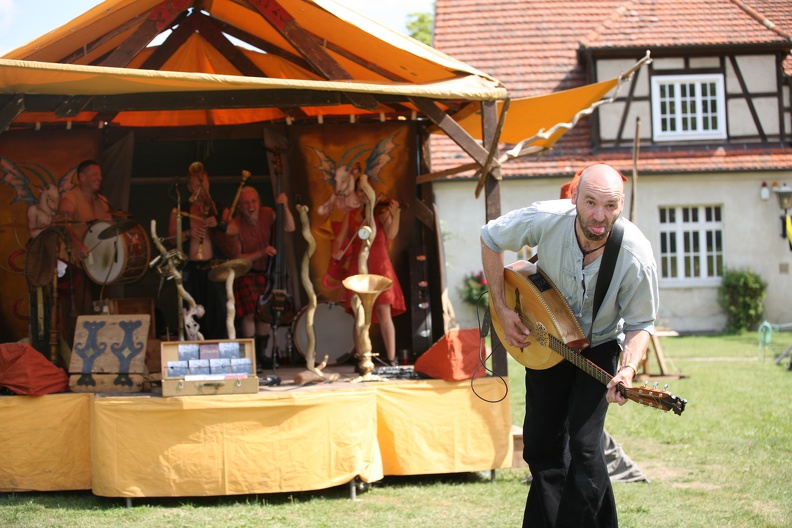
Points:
(118, 259)
(333, 327)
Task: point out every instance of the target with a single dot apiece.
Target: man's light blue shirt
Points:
(550, 227)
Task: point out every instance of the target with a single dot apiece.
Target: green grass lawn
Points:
(726, 462)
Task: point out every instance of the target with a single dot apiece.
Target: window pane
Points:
(688, 106)
(700, 238)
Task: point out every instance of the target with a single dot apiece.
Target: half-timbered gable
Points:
(712, 114)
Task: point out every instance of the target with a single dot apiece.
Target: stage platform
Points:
(286, 438)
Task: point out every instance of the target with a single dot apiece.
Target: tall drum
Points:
(333, 327)
(118, 259)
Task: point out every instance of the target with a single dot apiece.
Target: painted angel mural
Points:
(42, 209)
(35, 186)
(339, 175)
(343, 174)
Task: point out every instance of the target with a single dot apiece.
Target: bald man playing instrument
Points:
(565, 406)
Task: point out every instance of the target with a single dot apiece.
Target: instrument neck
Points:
(232, 209)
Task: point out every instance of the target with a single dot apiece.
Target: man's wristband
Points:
(630, 365)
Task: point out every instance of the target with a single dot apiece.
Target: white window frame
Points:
(678, 117)
(672, 265)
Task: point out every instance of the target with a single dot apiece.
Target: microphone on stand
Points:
(73, 307)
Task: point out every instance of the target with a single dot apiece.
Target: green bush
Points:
(741, 295)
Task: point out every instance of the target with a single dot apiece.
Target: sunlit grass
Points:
(725, 462)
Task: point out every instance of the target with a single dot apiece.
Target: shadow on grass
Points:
(85, 500)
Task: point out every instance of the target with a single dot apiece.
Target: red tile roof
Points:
(691, 23)
(531, 46)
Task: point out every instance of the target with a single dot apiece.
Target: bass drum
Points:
(333, 328)
(119, 259)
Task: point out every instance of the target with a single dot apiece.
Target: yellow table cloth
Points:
(45, 442)
(291, 439)
(269, 442)
(434, 427)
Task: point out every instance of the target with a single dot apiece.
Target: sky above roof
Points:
(24, 20)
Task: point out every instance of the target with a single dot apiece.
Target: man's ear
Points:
(574, 195)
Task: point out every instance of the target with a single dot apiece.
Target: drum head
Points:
(333, 328)
(107, 256)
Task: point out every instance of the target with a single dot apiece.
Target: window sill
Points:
(690, 283)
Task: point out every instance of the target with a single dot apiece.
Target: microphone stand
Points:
(73, 307)
(179, 246)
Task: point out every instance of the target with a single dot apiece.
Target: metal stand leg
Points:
(353, 489)
(780, 358)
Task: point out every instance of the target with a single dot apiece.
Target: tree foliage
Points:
(420, 26)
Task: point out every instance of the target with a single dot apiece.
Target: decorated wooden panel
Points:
(109, 353)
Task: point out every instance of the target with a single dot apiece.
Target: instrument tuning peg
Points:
(655, 384)
(646, 383)
(665, 387)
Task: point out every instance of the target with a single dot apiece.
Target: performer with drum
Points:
(251, 236)
(202, 217)
(82, 204)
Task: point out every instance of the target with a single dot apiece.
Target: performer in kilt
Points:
(250, 234)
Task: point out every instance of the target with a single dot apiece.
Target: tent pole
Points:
(492, 208)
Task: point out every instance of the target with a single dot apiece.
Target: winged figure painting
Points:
(341, 175)
(43, 207)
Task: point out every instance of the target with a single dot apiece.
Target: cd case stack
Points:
(191, 368)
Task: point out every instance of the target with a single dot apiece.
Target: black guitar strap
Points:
(608, 264)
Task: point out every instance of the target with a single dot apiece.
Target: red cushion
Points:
(455, 357)
(25, 370)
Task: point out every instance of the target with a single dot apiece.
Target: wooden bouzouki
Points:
(556, 334)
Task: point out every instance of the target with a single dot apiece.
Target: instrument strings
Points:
(579, 360)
